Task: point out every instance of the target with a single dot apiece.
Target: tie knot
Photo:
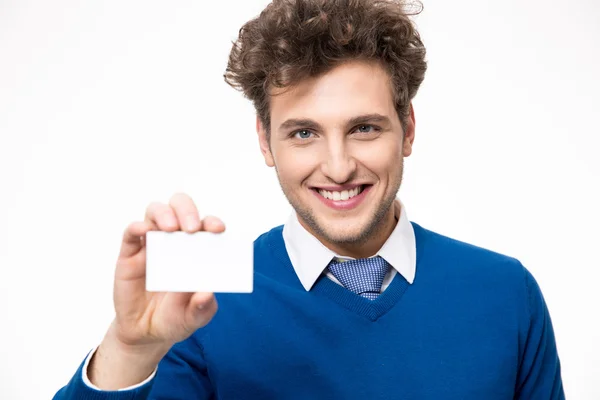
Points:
(363, 276)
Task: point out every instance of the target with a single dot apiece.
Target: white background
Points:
(108, 105)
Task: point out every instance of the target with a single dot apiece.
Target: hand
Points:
(148, 324)
(144, 318)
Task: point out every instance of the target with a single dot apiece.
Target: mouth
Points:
(342, 195)
(343, 198)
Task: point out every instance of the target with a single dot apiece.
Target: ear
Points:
(263, 142)
(409, 134)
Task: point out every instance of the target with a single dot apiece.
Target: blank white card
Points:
(198, 262)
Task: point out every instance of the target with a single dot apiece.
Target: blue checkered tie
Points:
(363, 276)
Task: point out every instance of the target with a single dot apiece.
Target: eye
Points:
(302, 134)
(367, 129)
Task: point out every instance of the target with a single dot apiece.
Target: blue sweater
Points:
(473, 325)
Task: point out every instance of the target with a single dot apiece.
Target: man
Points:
(351, 300)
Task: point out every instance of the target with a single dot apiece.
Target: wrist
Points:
(116, 365)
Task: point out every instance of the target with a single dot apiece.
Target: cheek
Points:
(294, 165)
(380, 157)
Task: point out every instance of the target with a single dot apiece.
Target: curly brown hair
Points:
(296, 39)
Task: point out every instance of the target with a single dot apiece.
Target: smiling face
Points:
(338, 146)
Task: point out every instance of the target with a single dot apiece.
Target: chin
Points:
(348, 239)
(347, 232)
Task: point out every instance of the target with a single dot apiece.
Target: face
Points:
(338, 146)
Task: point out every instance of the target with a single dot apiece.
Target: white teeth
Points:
(343, 195)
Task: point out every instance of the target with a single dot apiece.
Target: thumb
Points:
(202, 308)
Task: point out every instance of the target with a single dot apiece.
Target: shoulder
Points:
(270, 245)
(463, 259)
(272, 237)
(477, 276)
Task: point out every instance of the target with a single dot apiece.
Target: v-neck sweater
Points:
(473, 325)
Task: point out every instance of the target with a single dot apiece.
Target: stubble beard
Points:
(375, 223)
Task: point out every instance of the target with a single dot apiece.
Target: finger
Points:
(132, 269)
(132, 238)
(201, 299)
(186, 212)
(163, 216)
(201, 308)
(213, 224)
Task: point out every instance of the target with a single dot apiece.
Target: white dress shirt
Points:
(310, 259)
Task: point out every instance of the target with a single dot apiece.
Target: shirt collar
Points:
(310, 257)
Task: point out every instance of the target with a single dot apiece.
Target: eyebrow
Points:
(310, 124)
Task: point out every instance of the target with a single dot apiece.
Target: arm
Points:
(539, 370)
(150, 328)
(181, 375)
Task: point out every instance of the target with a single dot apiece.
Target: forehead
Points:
(346, 91)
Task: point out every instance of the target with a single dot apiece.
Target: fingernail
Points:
(191, 223)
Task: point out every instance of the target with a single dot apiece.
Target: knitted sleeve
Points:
(182, 375)
(539, 370)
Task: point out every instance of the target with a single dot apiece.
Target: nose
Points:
(339, 165)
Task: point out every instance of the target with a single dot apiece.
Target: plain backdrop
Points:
(106, 106)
